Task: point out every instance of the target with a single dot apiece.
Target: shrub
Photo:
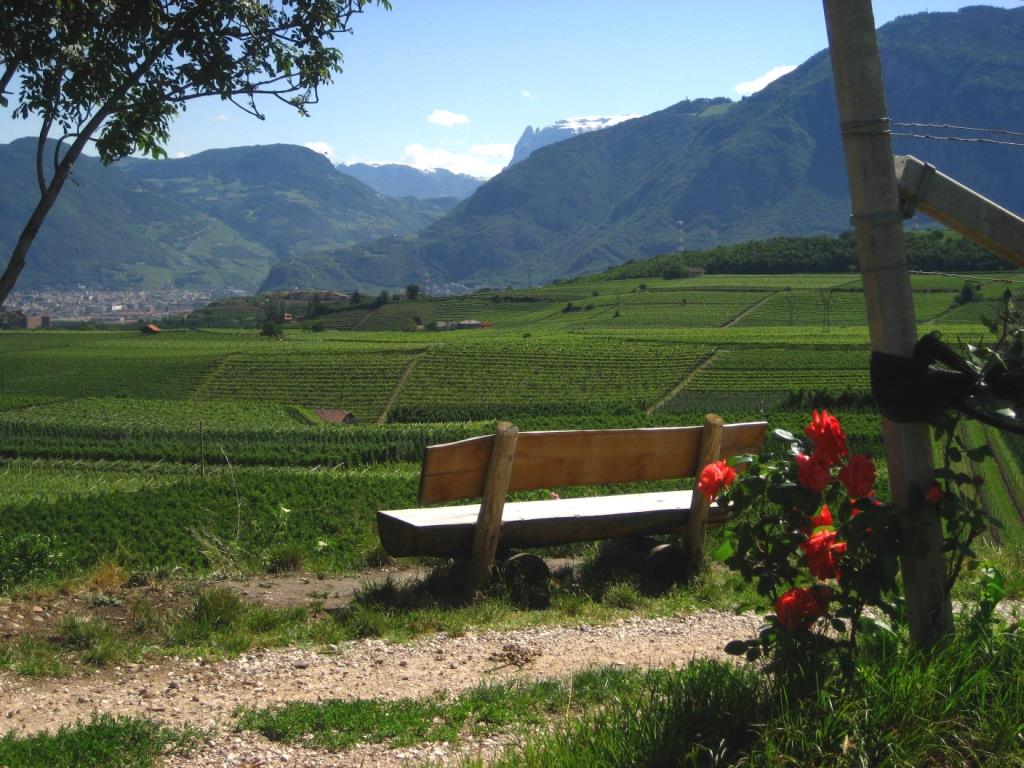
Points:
(28, 557)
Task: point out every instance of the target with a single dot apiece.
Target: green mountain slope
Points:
(106, 230)
(768, 165)
(287, 197)
(217, 219)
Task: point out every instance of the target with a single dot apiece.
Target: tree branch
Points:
(5, 80)
(44, 132)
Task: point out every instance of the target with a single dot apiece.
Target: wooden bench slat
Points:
(448, 531)
(583, 457)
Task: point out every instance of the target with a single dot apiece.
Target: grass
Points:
(217, 623)
(486, 709)
(958, 706)
(103, 742)
(601, 593)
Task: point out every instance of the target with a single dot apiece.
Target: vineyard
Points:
(161, 451)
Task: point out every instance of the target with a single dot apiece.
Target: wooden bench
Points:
(492, 466)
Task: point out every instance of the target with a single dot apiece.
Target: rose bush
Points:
(808, 532)
(807, 529)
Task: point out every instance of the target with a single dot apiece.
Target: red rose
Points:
(827, 435)
(813, 472)
(858, 476)
(800, 607)
(714, 477)
(934, 494)
(823, 553)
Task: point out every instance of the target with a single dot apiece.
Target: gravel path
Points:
(206, 695)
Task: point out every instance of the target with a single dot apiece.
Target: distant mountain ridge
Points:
(535, 138)
(398, 180)
(216, 219)
(769, 165)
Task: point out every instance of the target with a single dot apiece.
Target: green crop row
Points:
(238, 518)
(331, 446)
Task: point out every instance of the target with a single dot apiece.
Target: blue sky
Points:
(453, 83)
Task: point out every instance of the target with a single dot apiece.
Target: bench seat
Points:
(448, 531)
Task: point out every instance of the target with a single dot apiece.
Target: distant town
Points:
(44, 307)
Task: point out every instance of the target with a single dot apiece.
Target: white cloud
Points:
(527, 95)
(755, 85)
(179, 155)
(446, 118)
(220, 118)
(323, 148)
(482, 160)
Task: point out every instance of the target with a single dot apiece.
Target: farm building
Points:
(21, 320)
(335, 415)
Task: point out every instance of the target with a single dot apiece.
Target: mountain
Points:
(405, 181)
(216, 219)
(287, 197)
(535, 138)
(766, 166)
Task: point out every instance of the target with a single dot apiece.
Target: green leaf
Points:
(724, 551)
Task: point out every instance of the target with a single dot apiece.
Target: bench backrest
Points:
(561, 459)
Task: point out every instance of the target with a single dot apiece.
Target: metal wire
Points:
(960, 139)
(971, 278)
(951, 127)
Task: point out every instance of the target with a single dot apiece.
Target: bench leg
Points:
(492, 503)
(710, 450)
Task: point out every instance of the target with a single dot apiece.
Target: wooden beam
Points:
(960, 208)
(878, 222)
(559, 459)
(492, 503)
(710, 450)
(449, 531)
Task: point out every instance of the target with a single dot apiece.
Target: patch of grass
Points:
(144, 617)
(958, 705)
(220, 622)
(435, 603)
(107, 576)
(104, 742)
(30, 657)
(336, 725)
(96, 642)
(622, 594)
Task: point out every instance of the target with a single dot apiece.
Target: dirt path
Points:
(409, 367)
(749, 309)
(682, 384)
(206, 695)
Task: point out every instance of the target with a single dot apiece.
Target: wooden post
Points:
(878, 223)
(710, 450)
(492, 503)
(961, 209)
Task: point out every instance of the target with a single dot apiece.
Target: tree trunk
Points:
(17, 261)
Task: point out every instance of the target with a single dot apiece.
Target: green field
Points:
(170, 450)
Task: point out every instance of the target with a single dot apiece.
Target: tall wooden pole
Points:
(878, 223)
